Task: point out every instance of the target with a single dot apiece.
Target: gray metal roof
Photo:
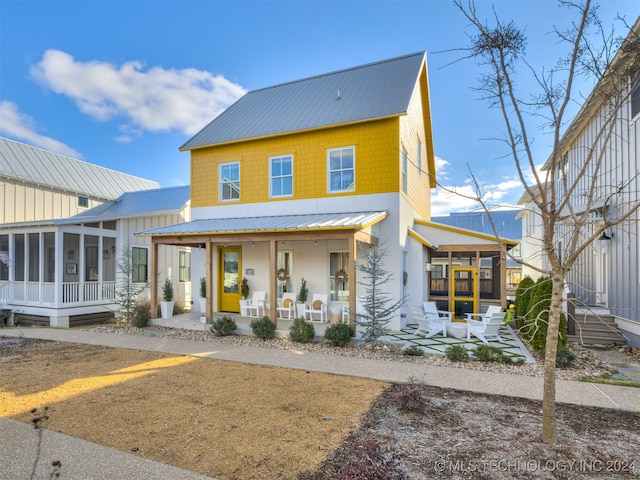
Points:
(135, 204)
(41, 167)
(318, 221)
(507, 222)
(376, 90)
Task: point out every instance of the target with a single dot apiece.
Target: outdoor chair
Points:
(318, 307)
(430, 310)
(287, 306)
(488, 330)
(256, 304)
(484, 317)
(429, 325)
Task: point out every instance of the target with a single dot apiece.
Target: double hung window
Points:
(341, 169)
(229, 181)
(281, 176)
(140, 262)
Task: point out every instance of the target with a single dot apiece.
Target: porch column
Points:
(273, 287)
(154, 279)
(58, 268)
(208, 265)
(353, 249)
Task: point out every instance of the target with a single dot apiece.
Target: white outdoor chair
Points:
(429, 325)
(430, 309)
(488, 330)
(484, 317)
(318, 306)
(287, 306)
(256, 304)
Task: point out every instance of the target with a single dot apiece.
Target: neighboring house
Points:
(508, 224)
(63, 271)
(299, 180)
(36, 184)
(531, 245)
(605, 277)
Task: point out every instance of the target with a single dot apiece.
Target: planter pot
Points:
(202, 302)
(166, 308)
(300, 309)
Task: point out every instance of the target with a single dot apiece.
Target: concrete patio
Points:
(510, 344)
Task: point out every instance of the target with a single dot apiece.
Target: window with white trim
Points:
(635, 97)
(184, 264)
(339, 276)
(229, 183)
(341, 166)
(404, 170)
(281, 176)
(140, 265)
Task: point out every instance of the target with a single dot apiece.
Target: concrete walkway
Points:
(572, 392)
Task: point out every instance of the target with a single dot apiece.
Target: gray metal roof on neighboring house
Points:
(507, 222)
(367, 92)
(135, 204)
(312, 221)
(42, 167)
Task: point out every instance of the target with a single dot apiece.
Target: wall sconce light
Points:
(427, 267)
(70, 255)
(316, 242)
(253, 244)
(113, 249)
(283, 244)
(604, 237)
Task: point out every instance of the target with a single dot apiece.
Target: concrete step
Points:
(597, 329)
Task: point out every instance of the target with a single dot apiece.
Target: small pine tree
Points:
(377, 311)
(523, 296)
(126, 290)
(304, 291)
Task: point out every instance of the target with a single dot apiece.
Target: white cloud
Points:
(153, 99)
(23, 127)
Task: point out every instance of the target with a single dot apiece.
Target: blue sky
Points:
(124, 84)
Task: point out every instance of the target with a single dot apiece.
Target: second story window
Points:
(341, 169)
(83, 201)
(635, 97)
(229, 181)
(404, 171)
(281, 176)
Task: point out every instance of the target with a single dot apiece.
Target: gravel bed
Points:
(585, 365)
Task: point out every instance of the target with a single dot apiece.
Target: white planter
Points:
(166, 308)
(203, 304)
(301, 308)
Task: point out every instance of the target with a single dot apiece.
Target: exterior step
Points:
(596, 329)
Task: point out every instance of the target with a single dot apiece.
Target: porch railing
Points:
(44, 293)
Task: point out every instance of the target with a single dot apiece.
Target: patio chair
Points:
(484, 317)
(488, 330)
(429, 325)
(318, 306)
(256, 304)
(287, 306)
(430, 309)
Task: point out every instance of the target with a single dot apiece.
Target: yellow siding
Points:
(412, 130)
(376, 159)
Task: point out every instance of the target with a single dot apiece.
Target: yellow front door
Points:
(229, 269)
(464, 288)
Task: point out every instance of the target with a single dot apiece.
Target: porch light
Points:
(604, 237)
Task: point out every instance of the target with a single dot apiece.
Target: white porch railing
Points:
(44, 293)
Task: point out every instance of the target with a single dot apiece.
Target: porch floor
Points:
(510, 344)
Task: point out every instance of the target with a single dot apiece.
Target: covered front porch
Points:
(274, 255)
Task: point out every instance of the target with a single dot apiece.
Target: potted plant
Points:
(301, 305)
(166, 307)
(203, 294)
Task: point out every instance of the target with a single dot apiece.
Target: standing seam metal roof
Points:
(367, 92)
(135, 204)
(313, 221)
(42, 167)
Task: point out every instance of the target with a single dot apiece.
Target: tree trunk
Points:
(551, 349)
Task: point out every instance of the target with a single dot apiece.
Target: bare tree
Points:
(575, 205)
